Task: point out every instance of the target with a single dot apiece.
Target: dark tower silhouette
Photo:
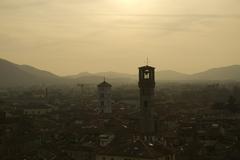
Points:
(147, 84)
(105, 97)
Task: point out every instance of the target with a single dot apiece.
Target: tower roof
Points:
(104, 84)
(146, 67)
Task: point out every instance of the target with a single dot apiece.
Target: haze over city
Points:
(71, 36)
(119, 80)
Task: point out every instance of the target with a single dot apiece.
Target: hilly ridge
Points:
(223, 74)
(167, 75)
(12, 75)
(23, 75)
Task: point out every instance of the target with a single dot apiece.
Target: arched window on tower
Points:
(147, 74)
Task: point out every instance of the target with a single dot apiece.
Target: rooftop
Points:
(146, 67)
(104, 84)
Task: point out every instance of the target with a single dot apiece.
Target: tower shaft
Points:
(147, 85)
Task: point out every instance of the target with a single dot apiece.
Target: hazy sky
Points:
(71, 36)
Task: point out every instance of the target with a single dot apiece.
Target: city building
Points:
(104, 96)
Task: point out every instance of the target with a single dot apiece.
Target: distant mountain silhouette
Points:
(103, 74)
(168, 75)
(112, 77)
(44, 75)
(12, 75)
(228, 73)
(22, 75)
(223, 74)
(82, 74)
(116, 75)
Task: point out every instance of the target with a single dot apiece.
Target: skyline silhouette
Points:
(87, 73)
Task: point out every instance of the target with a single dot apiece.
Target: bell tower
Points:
(104, 97)
(146, 85)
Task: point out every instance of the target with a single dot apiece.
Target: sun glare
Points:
(131, 5)
(129, 2)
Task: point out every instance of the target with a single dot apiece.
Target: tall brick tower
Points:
(147, 84)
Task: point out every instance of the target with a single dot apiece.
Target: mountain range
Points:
(12, 75)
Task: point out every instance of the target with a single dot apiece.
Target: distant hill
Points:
(168, 75)
(22, 75)
(12, 75)
(112, 77)
(116, 75)
(82, 74)
(231, 73)
(228, 73)
(103, 74)
(44, 75)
